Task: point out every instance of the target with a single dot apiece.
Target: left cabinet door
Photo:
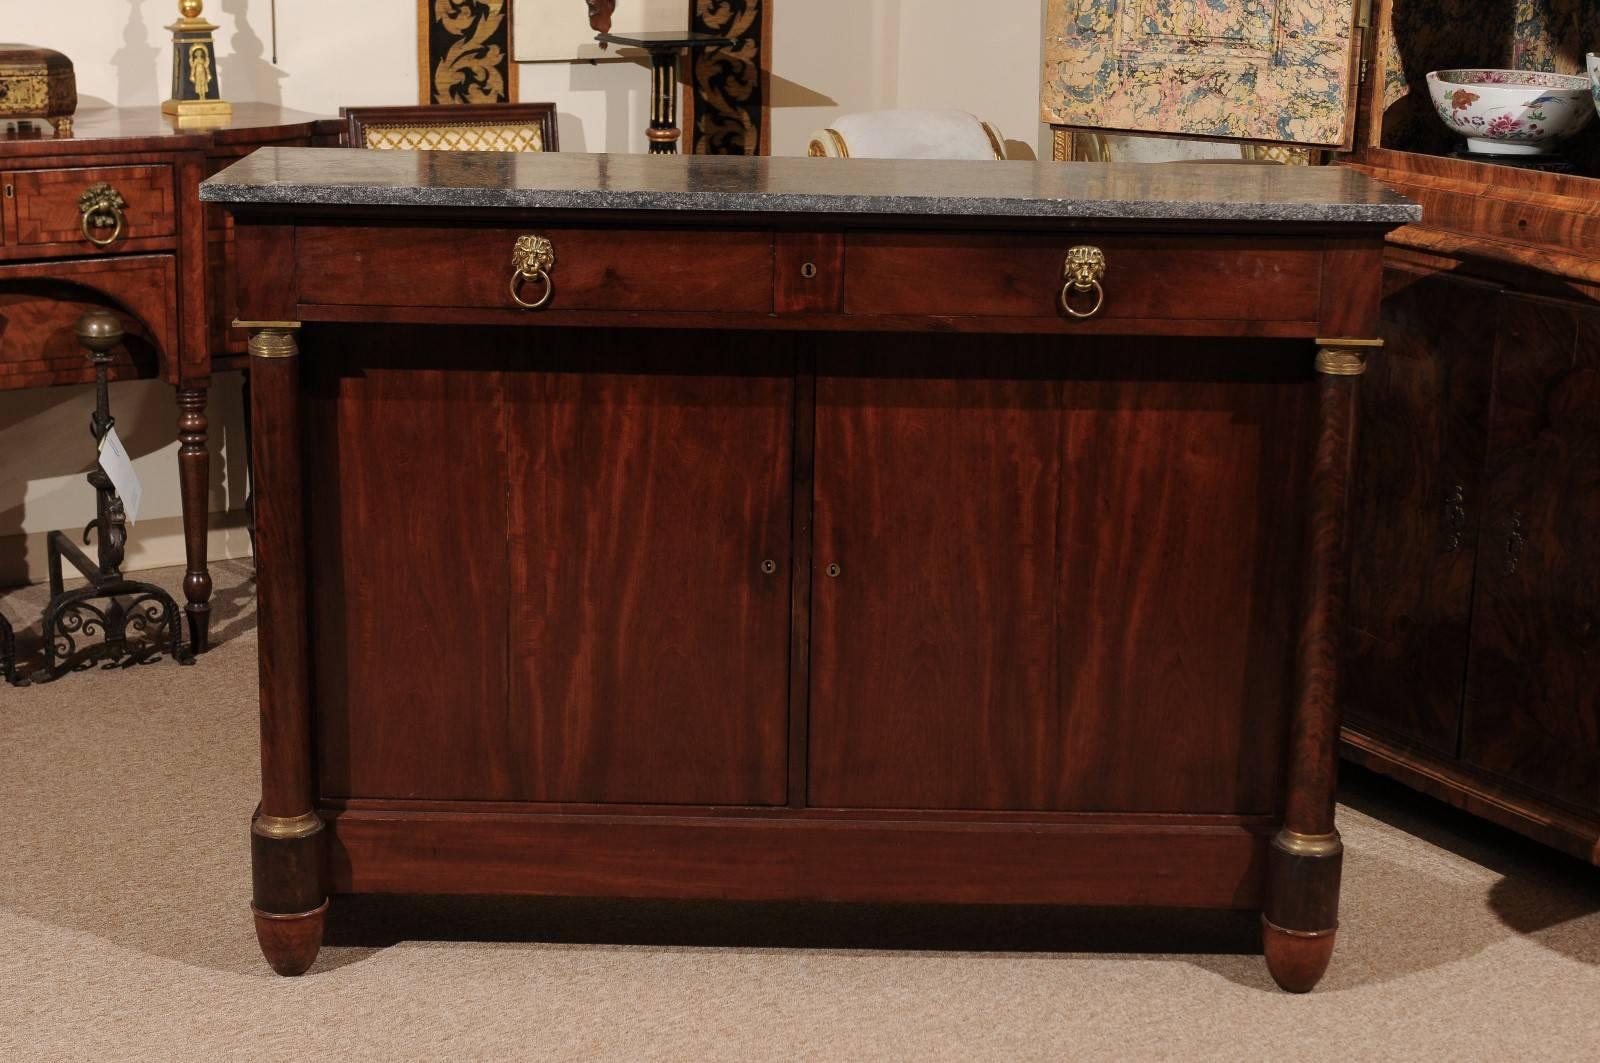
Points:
(564, 536)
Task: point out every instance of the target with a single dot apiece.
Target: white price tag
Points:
(117, 465)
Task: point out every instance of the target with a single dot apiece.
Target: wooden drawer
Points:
(39, 305)
(1021, 276)
(595, 269)
(42, 206)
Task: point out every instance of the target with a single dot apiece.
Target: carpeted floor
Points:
(124, 799)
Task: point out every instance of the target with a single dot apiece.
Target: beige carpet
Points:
(124, 934)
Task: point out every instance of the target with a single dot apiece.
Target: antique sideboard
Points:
(109, 216)
(782, 528)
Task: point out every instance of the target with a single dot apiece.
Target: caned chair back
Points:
(453, 127)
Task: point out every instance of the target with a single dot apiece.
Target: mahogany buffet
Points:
(758, 529)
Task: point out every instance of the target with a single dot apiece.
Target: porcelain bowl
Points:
(1512, 112)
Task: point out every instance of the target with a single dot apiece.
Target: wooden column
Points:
(286, 835)
(1302, 914)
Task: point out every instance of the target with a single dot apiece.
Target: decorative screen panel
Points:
(1275, 70)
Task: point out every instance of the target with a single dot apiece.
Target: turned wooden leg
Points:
(1306, 857)
(194, 476)
(286, 836)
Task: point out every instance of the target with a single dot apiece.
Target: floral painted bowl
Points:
(1512, 112)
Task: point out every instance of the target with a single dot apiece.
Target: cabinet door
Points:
(932, 656)
(1533, 688)
(1417, 501)
(559, 537)
(1055, 594)
(649, 492)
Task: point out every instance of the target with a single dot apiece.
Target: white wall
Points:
(828, 57)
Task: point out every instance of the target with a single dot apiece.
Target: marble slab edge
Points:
(355, 195)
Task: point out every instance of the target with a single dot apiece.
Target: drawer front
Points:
(1022, 276)
(595, 269)
(39, 306)
(47, 205)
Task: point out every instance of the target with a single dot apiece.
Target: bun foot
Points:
(290, 942)
(1296, 959)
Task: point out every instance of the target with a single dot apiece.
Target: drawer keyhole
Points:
(809, 270)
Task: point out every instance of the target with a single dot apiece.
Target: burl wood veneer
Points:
(813, 538)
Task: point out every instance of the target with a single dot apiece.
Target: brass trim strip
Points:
(265, 324)
(289, 916)
(1313, 845)
(283, 828)
(1299, 933)
(1325, 342)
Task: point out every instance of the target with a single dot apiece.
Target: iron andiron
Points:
(91, 625)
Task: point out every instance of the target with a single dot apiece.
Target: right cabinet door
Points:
(1055, 575)
(1532, 710)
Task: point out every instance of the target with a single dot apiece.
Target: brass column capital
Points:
(272, 339)
(1344, 357)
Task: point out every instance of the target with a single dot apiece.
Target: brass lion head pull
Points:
(533, 257)
(1084, 269)
(102, 207)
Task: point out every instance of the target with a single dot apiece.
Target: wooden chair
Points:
(453, 127)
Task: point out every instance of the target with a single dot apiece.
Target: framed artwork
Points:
(464, 52)
(1266, 70)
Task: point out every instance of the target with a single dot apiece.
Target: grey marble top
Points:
(724, 183)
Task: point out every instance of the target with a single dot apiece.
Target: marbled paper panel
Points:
(1252, 69)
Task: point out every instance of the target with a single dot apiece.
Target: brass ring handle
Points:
(532, 259)
(1084, 268)
(102, 206)
(517, 280)
(1099, 299)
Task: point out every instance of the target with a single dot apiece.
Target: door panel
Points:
(1533, 690)
(584, 549)
(650, 645)
(1417, 500)
(932, 658)
(1277, 70)
(1181, 523)
(1109, 625)
(405, 518)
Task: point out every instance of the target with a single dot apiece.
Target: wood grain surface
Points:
(1532, 709)
(1417, 508)
(989, 523)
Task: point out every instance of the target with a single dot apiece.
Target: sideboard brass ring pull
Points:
(1085, 266)
(519, 278)
(1099, 299)
(533, 259)
(102, 206)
